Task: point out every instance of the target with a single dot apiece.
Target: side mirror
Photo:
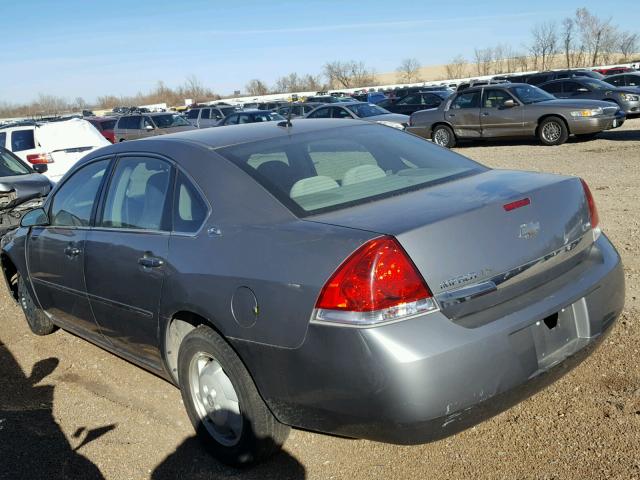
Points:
(509, 103)
(35, 218)
(148, 128)
(40, 167)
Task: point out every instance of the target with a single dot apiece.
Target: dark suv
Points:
(542, 77)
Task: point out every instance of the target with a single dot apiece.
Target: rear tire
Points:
(553, 131)
(443, 135)
(223, 403)
(38, 322)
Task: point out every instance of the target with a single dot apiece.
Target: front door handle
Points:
(150, 262)
(72, 251)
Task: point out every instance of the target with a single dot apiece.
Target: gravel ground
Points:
(71, 410)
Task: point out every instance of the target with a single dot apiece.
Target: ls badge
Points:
(529, 230)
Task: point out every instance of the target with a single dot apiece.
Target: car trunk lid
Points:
(483, 239)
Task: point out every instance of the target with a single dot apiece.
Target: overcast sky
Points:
(89, 48)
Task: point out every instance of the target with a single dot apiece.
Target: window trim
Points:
(174, 206)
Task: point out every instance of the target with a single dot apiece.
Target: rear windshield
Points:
(10, 165)
(331, 169)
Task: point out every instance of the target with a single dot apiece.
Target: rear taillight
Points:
(376, 283)
(593, 211)
(38, 158)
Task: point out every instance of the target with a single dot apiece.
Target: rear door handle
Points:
(151, 262)
(72, 251)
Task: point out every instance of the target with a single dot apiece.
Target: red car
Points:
(613, 70)
(105, 126)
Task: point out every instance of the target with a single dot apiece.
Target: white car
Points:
(58, 144)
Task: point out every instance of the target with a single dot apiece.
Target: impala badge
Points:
(529, 230)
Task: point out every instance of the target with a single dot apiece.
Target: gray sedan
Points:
(513, 110)
(362, 110)
(349, 279)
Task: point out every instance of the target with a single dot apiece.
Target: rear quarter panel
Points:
(285, 261)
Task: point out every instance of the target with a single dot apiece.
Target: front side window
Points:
(206, 114)
(190, 210)
(631, 81)
(411, 100)
(529, 94)
(466, 100)
(346, 165)
(137, 195)
(193, 114)
(495, 98)
(73, 202)
(22, 140)
(570, 87)
(553, 88)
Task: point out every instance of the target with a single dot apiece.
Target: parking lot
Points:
(73, 410)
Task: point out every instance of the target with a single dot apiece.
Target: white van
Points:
(58, 144)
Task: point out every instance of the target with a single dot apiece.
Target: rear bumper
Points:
(424, 132)
(426, 378)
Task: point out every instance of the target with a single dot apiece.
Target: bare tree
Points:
(628, 45)
(409, 70)
(568, 41)
(544, 44)
(457, 68)
(598, 36)
(483, 58)
(256, 87)
(348, 74)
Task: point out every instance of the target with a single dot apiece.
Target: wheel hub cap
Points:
(551, 131)
(215, 399)
(441, 137)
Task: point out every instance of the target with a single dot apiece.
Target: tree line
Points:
(581, 40)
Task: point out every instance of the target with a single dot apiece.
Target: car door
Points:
(126, 254)
(464, 114)
(498, 120)
(56, 253)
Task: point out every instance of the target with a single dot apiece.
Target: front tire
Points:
(38, 322)
(553, 131)
(223, 403)
(443, 135)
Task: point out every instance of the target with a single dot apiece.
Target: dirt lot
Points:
(71, 410)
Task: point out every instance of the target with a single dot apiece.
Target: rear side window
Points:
(193, 114)
(22, 140)
(73, 202)
(323, 112)
(466, 100)
(3, 139)
(108, 124)
(331, 169)
(137, 195)
(189, 209)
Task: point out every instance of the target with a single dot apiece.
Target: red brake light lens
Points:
(37, 158)
(593, 210)
(376, 283)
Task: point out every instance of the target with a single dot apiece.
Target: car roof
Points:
(215, 138)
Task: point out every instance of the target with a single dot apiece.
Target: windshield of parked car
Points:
(528, 94)
(169, 120)
(364, 110)
(338, 167)
(10, 165)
